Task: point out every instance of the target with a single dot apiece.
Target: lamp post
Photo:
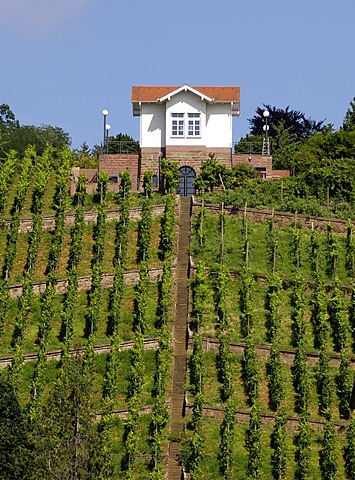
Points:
(104, 113)
(161, 155)
(107, 128)
(266, 143)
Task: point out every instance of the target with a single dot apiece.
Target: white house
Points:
(185, 124)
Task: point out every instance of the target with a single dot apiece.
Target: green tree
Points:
(7, 118)
(148, 183)
(41, 136)
(349, 119)
(13, 434)
(64, 440)
(122, 143)
(294, 121)
(170, 173)
(209, 174)
(285, 144)
(125, 186)
(84, 158)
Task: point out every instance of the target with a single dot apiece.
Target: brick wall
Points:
(113, 164)
(184, 156)
(256, 161)
(193, 157)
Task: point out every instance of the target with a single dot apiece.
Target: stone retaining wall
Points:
(48, 221)
(243, 416)
(84, 283)
(280, 218)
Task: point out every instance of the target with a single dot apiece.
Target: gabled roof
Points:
(158, 94)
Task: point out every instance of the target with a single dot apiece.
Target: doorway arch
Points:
(187, 176)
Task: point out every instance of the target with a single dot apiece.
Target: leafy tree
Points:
(40, 136)
(84, 158)
(148, 183)
(208, 177)
(7, 118)
(125, 185)
(170, 174)
(326, 163)
(240, 174)
(285, 145)
(14, 448)
(294, 121)
(14, 136)
(102, 185)
(122, 143)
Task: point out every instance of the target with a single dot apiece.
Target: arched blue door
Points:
(186, 178)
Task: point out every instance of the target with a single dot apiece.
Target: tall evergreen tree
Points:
(13, 434)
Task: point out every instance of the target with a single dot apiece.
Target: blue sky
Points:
(63, 61)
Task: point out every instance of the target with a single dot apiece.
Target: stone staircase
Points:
(180, 341)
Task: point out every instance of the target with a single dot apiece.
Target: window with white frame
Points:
(177, 125)
(194, 125)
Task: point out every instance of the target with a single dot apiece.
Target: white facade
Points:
(186, 117)
(152, 125)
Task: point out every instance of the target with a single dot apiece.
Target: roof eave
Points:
(137, 108)
(235, 108)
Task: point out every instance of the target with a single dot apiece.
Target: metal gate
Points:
(186, 178)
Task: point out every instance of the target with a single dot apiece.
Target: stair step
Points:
(179, 345)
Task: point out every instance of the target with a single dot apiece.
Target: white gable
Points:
(185, 88)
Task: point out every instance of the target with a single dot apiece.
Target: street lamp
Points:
(161, 155)
(107, 128)
(266, 143)
(105, 113)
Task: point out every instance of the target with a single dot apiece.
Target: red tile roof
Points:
(152, 94)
